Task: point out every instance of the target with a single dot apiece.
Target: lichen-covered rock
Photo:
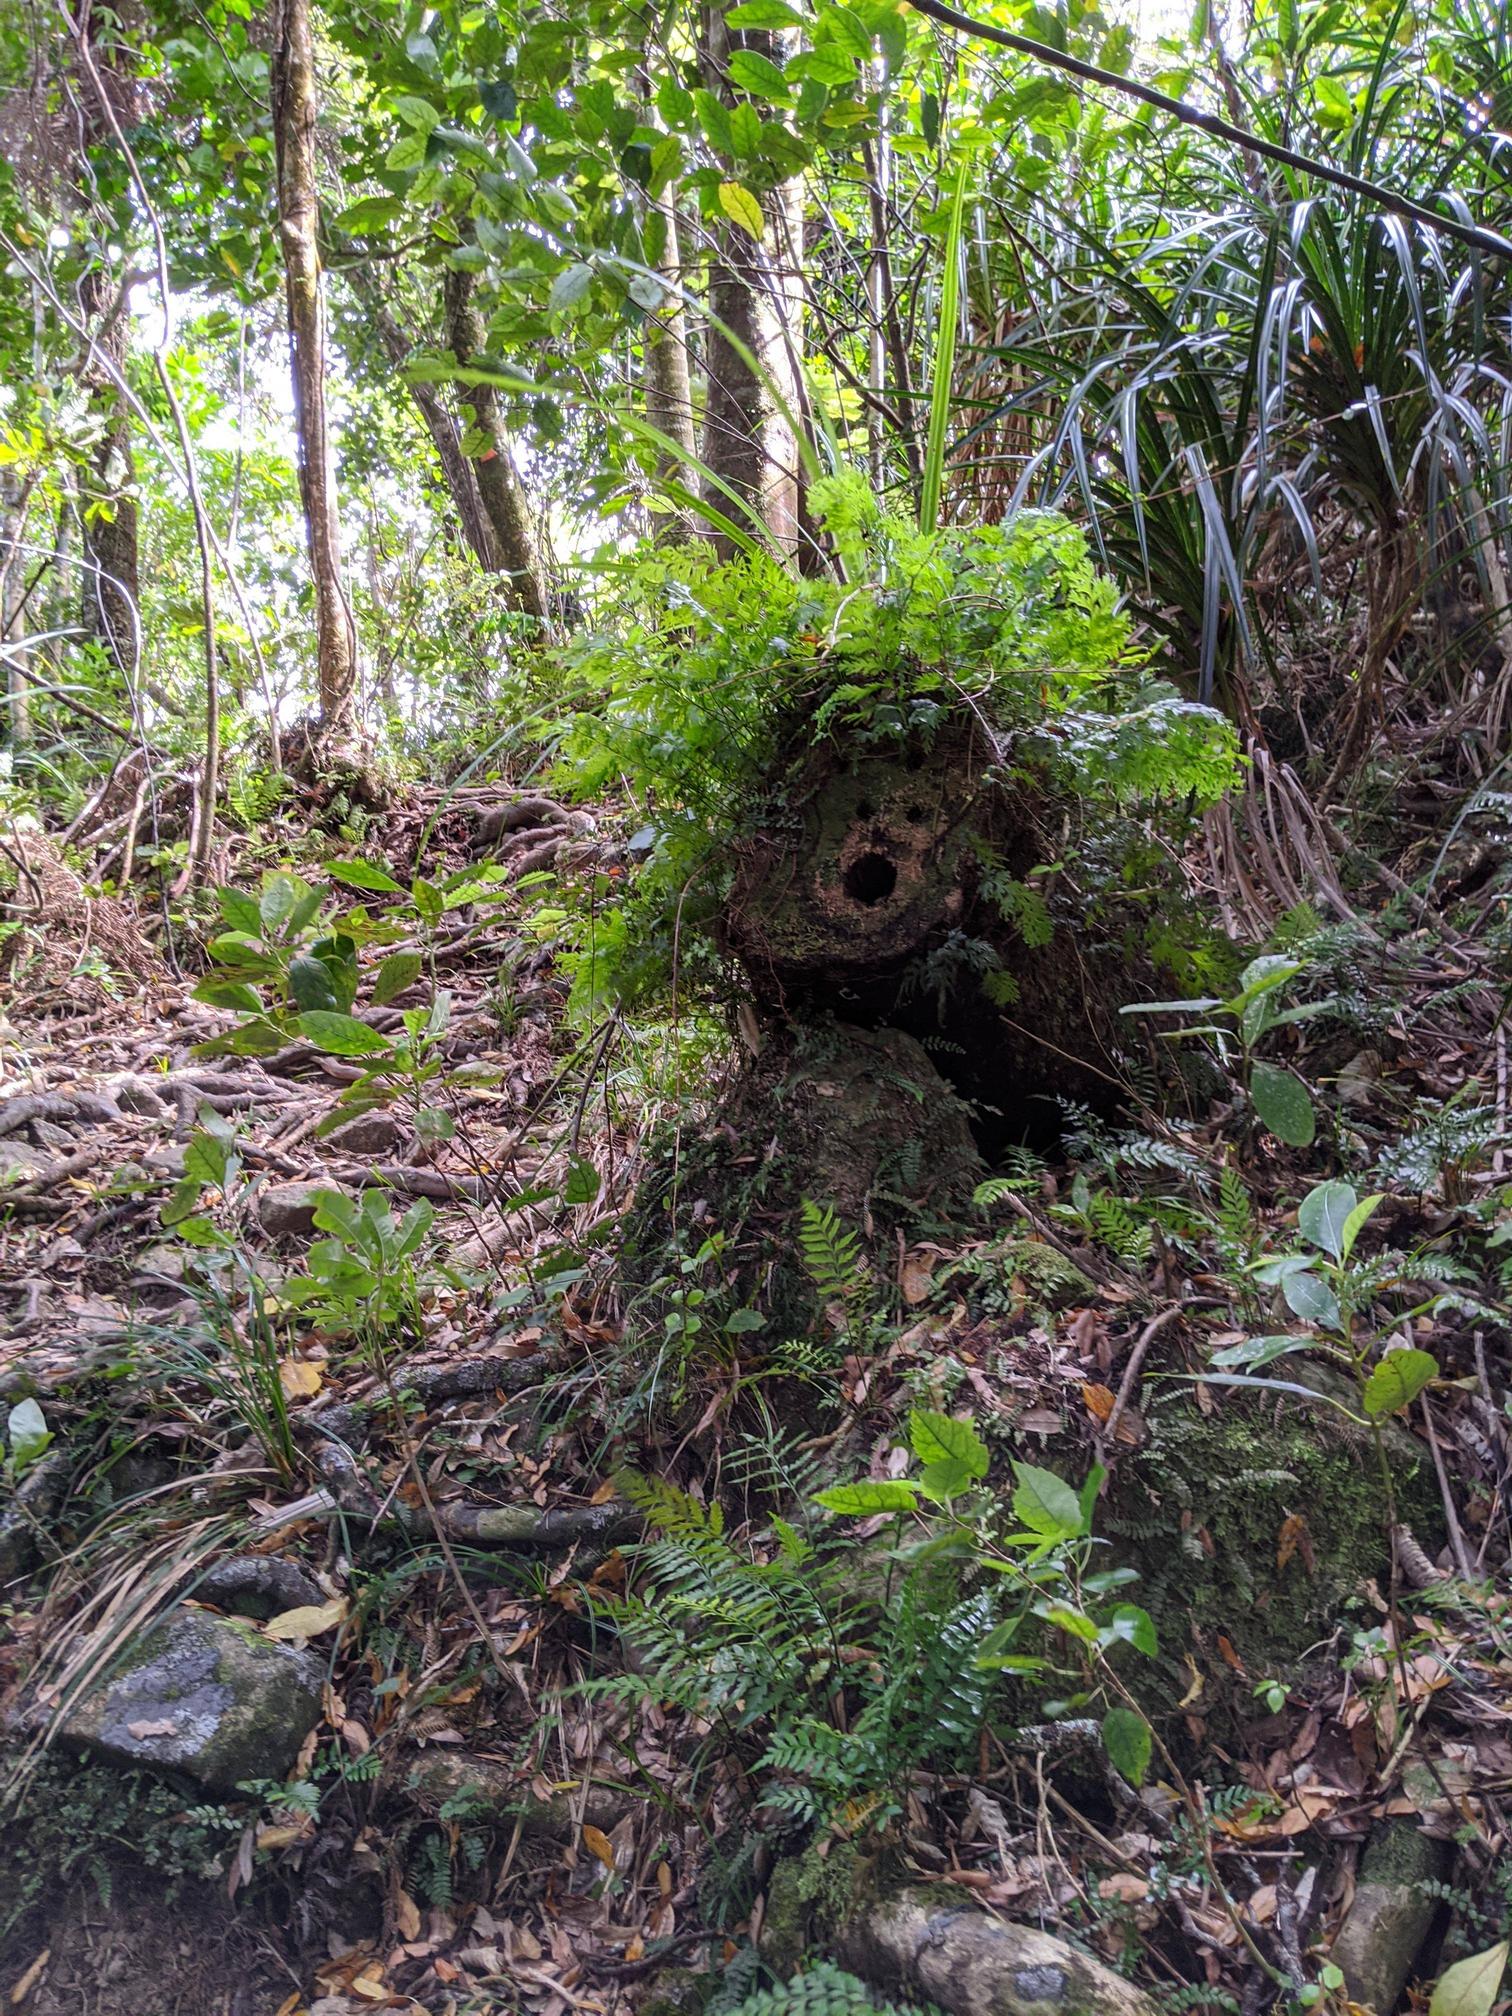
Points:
(1390, 1915)
(206, 1697)
(376, 1133)
(286, 1209)
(1255, 1521)
(970, 1964)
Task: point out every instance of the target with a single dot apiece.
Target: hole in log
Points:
(865, 809)
(870, 879)
(916, 815)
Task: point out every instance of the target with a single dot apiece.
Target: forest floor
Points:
(482, 1833)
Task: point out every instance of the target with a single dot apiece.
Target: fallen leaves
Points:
(306, 1620)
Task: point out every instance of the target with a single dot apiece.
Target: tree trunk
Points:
(669, 389)
(108, 603)
(293, 82)
(461, 480)
(15, 500)
(755, 337)
(497, 478)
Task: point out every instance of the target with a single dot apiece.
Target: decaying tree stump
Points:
(869, 898)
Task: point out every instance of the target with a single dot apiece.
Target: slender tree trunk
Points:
(108, 603)
(755, 335)
(15, 501)
(497, 478)
(461, 482)
(669, 388)
(293, 86)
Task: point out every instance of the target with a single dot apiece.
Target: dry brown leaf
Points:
(1124, 1888)
(596, 1841)
(916, 1278)
(407, 1915)
(299, 1379)
(1100, 1402)
(32, 1976)
(307, 1620)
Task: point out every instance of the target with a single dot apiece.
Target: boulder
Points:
(1390, 1915)
(286, 1210)
(970, 1964)
(206, 1697)
(376, 1133)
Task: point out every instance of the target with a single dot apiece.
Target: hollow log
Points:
(870, 897)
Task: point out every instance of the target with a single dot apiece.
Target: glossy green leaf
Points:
(874, 1495)
(1283, 1104)
(936, 1438)
(1397, 1381)
(341, 1035)
(1129, 1744)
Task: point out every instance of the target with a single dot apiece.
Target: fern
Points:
(1236, 1217)
(826, 1990)
(831, 1253)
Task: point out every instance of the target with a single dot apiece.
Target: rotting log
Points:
(869, 898)
(971, 1964)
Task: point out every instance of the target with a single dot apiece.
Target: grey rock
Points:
(18, 1161)
(1390, 1915)
(368, 1134)
(257, 1585)
(206, 1697)
(286, 1209)
(500, 1797)
(975, 1965)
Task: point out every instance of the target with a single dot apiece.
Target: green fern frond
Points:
(831, 1253)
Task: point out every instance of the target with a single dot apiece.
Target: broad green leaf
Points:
(341, 1035)
(742, 208)
(371, 213)
(1358, 1219)
(945, 1479)
(1258, 1351)
(396, 973)
(755, 73)
(1470, 1987)
(1397, 1381)
(1127, 1740)
(280, 892)
(239, 911)
(1135, 1627)
(1046, 1504)
(1064, 1618)
(765, 14)
(1323, 1215)
(363, 875)
(570, 285)
(936, 1438)
(27, 1432)
(1310, 1297)
(428, 900)
(1283, 1105)
(875, 1495)
(219, 993)
(417, 113)
(582, 1184)
(310, 984)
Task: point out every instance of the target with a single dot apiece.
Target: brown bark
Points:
(669, 390)
(108, 600)
(497, 478)
(461, 481)
(293, 91)
(755, 336)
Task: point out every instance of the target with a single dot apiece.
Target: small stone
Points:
(18, 1162)
(285, 1209)
(367, 1134)
(1390, 1915)
(206, 1697)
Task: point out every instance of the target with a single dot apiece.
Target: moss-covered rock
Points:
(1257, 1522)
(204, 1696)
(859, 1120)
